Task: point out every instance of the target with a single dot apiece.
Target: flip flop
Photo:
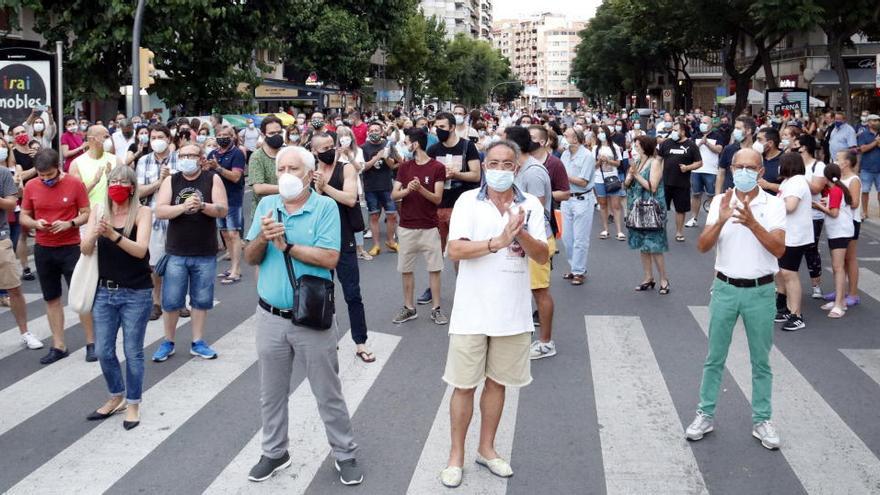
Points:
(621, 236)
(366, 356)
(679, 238)
(225, 274)
(603, 234)
(230, 280)
(568, 276)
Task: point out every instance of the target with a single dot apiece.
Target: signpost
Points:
(667, 96)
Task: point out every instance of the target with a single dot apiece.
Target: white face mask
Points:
(759, 147)
(290, 186)
(637, 126)
(345, 141)
(84, 127)
(459, 119)
(618, 128)
(159, 145)
(602, 137)
(187, 166)
(250, 125)
(108, 145)
(173, 132)
(209, 150)
(71, 129)
(674, 135)
(39, 126)
(201, 138)
(4, 154)
(704, 128)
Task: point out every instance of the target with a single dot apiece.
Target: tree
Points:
(413, 54)
(509, 88)
(474, 67)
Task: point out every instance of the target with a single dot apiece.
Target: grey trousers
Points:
(278, 343)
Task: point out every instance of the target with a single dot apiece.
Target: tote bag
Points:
(84, 281)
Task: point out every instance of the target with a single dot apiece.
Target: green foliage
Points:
(474, 68)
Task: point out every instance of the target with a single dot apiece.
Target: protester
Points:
(121, 139)
(815, 174)
(191, 201)
(492, 232)
(710, 142)
(767, 144)
(72, 142)
(250, 137)
(848, 177)
(381, 162)
(139, 148)
(577, 212)
(609, 158)
(304, 226)
(419, 188)
(748, 228)
(680, 157)
(228, 162)
(869, 161)
(55, 206)
(645, 179)
(559, 185)
(261, 165)
(840, 229)
(841, 137)
(40, 130)
(119, 227)
(795, 192)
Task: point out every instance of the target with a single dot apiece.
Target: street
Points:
(607, 414)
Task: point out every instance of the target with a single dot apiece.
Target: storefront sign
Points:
(334, 101)
(860, 62)
(25, 85)
(264, 91)
(312, 80)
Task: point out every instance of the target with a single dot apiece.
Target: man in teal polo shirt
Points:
(306, 226)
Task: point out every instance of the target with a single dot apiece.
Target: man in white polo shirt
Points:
(494, 231)
(748, 227)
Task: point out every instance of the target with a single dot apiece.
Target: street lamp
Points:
(491, 91)
(135, 59)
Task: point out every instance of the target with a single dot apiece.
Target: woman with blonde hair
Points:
(347, 151)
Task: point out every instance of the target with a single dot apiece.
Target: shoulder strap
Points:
(291, 272)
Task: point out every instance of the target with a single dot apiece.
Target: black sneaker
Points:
(267, 466)
(54, 355)
(90, 353)
(782, 316)
(28, 275)
(349, 472)
(425, 298)
(794, 322)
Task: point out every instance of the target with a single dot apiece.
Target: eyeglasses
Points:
(194, 156)
(506, 165)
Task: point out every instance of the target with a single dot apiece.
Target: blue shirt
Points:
(842, 138)
(582, 165)
(233, 158)
(871, 159)
(725, 161)
(316, 224)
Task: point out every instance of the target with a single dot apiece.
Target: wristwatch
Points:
(72, 224)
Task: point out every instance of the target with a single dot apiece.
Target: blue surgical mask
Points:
(187, 166)
(673, 136)
(704, 128)
(50, 182)
(738, 135)
(499, 180)
(745, 179)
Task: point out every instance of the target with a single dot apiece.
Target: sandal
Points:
(679, 238)
(225, 274)
(603, 234)
(836, 312)
(568, 276)
(577, 280)
(621, 236)
(366, 356)
(664, 289)
(230, 280)
(646, 286)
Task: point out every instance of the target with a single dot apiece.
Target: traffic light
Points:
(146, 67)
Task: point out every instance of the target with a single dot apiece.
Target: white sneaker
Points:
(767, 434)
(31, 341)
(817, 292)
(539, 350)
(691, 223)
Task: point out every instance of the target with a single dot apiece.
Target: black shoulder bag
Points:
(313, 300)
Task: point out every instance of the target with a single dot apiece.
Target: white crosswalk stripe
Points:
(30, 395)
(866, 359)
(98, 459)
(653, 457)
(10, 340)
(29, 297)
(308, 443)
(869, 283)
(825, 454)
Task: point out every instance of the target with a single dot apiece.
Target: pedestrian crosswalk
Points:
(640, 419)
(10, 340)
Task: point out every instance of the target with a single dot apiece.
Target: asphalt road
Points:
(606, 414)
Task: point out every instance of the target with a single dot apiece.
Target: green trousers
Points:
(756, 306)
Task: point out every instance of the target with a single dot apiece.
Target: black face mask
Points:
(224, 142)
(275, 141)
(128, 134)
(443, 135)
(327, 156)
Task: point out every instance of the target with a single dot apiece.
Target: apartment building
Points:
(469, 17)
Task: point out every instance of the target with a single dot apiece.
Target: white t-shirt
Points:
(842, 225)
(816, 169)
(710, 159)
(799, 223)
(607, 169)
(738, 253)
(492, 293)
(857, 212)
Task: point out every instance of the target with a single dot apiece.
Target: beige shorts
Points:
(10, 267)
(413, 242)
(473, 358)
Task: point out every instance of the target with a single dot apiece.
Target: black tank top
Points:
(337, 181)
(192, 234)
(124, 269)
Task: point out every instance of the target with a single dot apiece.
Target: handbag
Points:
(612, 182)
(646, 214)
(313, 298)
(84, 281)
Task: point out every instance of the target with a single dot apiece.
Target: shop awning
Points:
(858, 78)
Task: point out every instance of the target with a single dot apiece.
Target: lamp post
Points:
(491, 91)
(136, 59)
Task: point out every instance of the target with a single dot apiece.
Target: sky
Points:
(580, 10)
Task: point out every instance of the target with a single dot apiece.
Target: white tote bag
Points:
(84, 282)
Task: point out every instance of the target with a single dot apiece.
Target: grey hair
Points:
(304, 155)
(127, 174)
(507, 144)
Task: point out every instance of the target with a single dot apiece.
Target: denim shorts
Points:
(196, 273)
(869, 178)
(703, 183)
(234, 219)
(599, 187)
(378, 201)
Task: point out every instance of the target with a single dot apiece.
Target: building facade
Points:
(540, 50)
(469, 17)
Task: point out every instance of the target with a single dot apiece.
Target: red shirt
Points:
(558, 175)
(73, 141)
(416, 212)
(59, 202)
(360, 133)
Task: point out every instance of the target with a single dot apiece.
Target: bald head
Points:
(749, 158)
(98, 132)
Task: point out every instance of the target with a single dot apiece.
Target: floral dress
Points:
(646, 241)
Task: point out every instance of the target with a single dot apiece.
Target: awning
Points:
(858, 78)
(755, 98)
(286, 118)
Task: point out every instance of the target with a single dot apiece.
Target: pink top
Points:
(73, 141)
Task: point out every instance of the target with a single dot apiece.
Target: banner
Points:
(25, 84)
(783, 101)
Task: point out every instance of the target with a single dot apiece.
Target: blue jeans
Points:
(130, 309)
(234, 219)
(193, 274)
(577, 222)
(350, 278)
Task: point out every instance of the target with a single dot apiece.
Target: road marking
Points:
(869, 259)
(866, 359)
(647, 452)
(825, 454)
(869, 283)
(37, 391)
(10, 340)
(100, 458)
(29, 297)
(435, 453)
(308, 442)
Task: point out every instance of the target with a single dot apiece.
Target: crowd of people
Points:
(490, 188)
